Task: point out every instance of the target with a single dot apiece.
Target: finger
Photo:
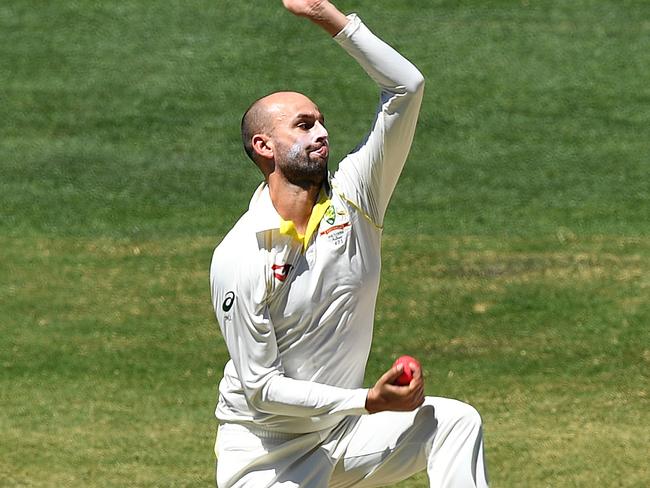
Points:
(416, 382)
(396, 392)
(392, 374)
(416, 389)
(415, 401)
(418, 393)
(416, 369)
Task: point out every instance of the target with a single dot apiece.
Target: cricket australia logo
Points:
(330, 215)
(281, 271)
(334, 232)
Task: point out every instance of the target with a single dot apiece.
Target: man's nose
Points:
(321, 132)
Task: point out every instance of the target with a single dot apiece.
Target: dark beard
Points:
(302, 171)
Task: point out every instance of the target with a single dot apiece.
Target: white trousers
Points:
(443, 437)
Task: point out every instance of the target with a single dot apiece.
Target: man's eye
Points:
(304, 125)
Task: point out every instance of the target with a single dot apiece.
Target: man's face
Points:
(300, 140)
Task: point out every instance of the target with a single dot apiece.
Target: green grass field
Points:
(516, 249)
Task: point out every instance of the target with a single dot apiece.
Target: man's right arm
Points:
(238, 298)
(239, 294)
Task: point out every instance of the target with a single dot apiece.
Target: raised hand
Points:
(304, 8)
(321, 12)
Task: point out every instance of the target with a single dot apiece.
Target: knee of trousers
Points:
(470, 417)
(460, 412)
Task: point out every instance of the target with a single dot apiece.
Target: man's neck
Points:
(294, 202)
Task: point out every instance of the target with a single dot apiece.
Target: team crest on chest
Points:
(339, 222)
(330, 215)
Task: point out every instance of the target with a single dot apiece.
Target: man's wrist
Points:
(329, 18)
(371, 406)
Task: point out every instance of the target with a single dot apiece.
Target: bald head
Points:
(264, 113)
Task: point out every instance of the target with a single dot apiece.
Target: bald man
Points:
(294, 286)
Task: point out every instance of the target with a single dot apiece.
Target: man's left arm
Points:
(367, 176)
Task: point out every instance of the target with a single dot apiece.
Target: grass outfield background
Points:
(516, 249)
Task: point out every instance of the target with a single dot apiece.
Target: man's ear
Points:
(262, 146)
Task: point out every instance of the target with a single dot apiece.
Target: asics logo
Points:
(228, 302)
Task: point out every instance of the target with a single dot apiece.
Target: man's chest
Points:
(340, 266)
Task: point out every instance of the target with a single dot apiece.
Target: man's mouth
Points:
(321, 152)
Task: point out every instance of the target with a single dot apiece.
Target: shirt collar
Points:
(288, 228)
(266, 216)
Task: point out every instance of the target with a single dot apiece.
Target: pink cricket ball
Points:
(407, 374)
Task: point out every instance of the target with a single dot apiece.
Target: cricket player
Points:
(294, 286)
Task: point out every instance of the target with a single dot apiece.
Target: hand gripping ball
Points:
(407, 373)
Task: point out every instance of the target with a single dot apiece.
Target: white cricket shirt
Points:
(297, 320)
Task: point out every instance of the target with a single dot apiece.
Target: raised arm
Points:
(367, 176)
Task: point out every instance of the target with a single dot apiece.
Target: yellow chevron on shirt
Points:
(288, 228)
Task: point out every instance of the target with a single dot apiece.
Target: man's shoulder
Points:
(240, 241)
(260, 216)
(238, 261)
